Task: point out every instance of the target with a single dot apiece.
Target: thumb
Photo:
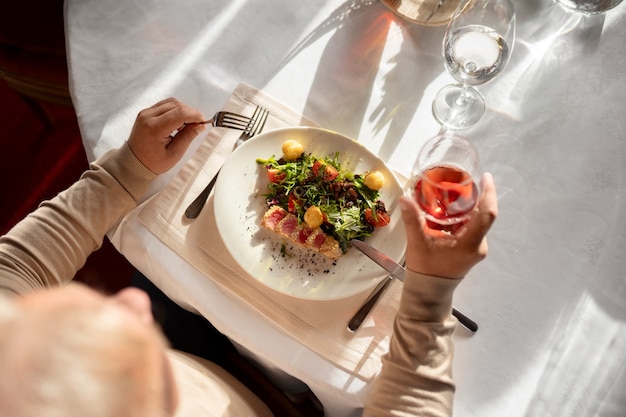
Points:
(183, 138)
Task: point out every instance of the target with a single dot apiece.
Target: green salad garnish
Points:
(349, 208)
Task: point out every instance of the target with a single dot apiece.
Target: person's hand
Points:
(433, 252)
(150, 138)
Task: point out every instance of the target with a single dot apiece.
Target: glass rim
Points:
(475, 170)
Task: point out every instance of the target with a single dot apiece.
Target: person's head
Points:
(71, 351)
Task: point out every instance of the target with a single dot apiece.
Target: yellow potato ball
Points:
(292, 149)
(313, 217)
(374, 180)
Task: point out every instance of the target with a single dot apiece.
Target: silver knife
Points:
(395, 270)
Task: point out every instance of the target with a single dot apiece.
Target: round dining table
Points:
(550, 298)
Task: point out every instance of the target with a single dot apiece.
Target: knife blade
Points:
(398, 271)
(380, 258)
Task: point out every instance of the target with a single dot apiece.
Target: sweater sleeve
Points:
(54, 241)
(416, 376)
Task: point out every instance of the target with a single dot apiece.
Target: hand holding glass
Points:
(445, 181)
(476, 47)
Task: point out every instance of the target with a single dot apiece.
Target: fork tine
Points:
(250, 125)
(233, 124)
(234, 117)
(254, 120)
(231, 120)
(261, 121)
(248, 132)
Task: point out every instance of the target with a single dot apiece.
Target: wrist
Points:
(427, 297)
(439, 270)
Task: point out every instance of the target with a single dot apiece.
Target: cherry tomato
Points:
(380, 220)
(330, 172)
(275, 175)
(293, 203)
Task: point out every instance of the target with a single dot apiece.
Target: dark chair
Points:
(33, 58)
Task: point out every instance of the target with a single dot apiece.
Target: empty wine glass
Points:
(446, 179)
(476, 48)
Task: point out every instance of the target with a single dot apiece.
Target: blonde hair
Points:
(75, 362)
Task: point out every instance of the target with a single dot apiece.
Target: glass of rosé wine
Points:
(446, 179)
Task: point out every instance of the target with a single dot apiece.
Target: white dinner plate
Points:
(240, 205)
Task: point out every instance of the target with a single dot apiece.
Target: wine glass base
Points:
(457, 107)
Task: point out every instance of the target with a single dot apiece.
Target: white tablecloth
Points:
(551, 296)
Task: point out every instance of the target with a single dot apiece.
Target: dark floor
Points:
(41, 154)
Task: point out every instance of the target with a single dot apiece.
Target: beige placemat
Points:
(320, 325)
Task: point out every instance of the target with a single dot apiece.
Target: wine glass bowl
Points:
(476, 48)
(588, 7)
(445, 180)
(424, 12)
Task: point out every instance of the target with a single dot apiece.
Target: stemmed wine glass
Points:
(445, 181)
(476, 48)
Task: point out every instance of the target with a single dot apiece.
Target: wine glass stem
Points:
(464, 98)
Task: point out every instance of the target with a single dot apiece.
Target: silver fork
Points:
(254, 127)
(226, 119)
(359, 317)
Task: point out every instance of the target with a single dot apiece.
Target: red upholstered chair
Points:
(33, 58)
